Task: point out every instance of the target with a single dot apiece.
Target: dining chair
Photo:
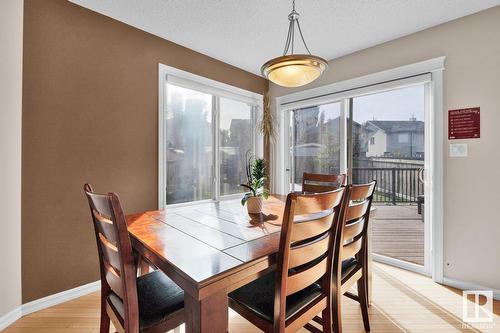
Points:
(317, 182)
(287, 298)
(151, 303)
(350, 258)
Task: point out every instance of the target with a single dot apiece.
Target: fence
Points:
(394, 185)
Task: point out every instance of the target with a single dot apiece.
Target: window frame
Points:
(171, 75)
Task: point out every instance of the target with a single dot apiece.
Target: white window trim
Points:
(341, 89)
(209, 86)
(424, 71)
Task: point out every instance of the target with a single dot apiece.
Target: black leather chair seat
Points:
(258, 297)
(348, 267)
(158, 297)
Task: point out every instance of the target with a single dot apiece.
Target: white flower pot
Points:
(254, 205)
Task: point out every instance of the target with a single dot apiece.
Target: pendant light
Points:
(294, 70)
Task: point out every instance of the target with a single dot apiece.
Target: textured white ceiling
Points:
(246, 33)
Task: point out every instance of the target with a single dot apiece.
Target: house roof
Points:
(392, 126)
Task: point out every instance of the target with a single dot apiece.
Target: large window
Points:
(205, 135)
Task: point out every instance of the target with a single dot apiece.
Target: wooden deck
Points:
(398, 232)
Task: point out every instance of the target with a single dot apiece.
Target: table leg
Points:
(209, 315)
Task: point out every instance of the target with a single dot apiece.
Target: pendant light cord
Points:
(290, 39)
(302, 37)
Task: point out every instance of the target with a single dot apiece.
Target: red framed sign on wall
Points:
(464, 123)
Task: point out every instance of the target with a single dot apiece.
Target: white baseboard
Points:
(10, 317)
(469, 286)
(59, 298)
(47, 302)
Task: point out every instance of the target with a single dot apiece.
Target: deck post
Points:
(393, 185)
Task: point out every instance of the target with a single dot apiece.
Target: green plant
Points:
(256, 177)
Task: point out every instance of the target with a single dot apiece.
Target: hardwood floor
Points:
(402, 302)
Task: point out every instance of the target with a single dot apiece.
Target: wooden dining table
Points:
(209, 250)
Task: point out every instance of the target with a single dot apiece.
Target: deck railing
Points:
(394, 185)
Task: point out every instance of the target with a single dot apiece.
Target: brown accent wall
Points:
(90, 96)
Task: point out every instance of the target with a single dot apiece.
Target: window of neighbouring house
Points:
(403, 138)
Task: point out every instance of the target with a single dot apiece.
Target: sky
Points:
(229, 109)
(399, 104)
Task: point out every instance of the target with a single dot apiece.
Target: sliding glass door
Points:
(207, 138)
(382, 136)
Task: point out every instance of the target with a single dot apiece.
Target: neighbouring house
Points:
(389, 138)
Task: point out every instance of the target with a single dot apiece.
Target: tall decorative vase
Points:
(254, 205)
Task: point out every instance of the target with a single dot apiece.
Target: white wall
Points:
(471, 185)
(11, 38)
(380, 145)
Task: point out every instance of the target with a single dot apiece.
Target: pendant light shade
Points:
(294, 70)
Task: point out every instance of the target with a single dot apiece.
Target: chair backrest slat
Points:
(309, 226)
(316, 204)
(105, 227)
(318, 183)
(316, 188)
(101, 205)
(361, 192)
(306, 245)
(353, 229)
(114, 279)
(307, 252)
(357, 210)
(351, 249)
(302, 279)
(118, 272)
(110, 253)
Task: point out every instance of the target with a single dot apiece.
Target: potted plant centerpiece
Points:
(256, 177)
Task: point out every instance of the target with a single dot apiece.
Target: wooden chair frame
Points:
(351, 241)
(118, 267)
(305, 256)
(320, 181)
